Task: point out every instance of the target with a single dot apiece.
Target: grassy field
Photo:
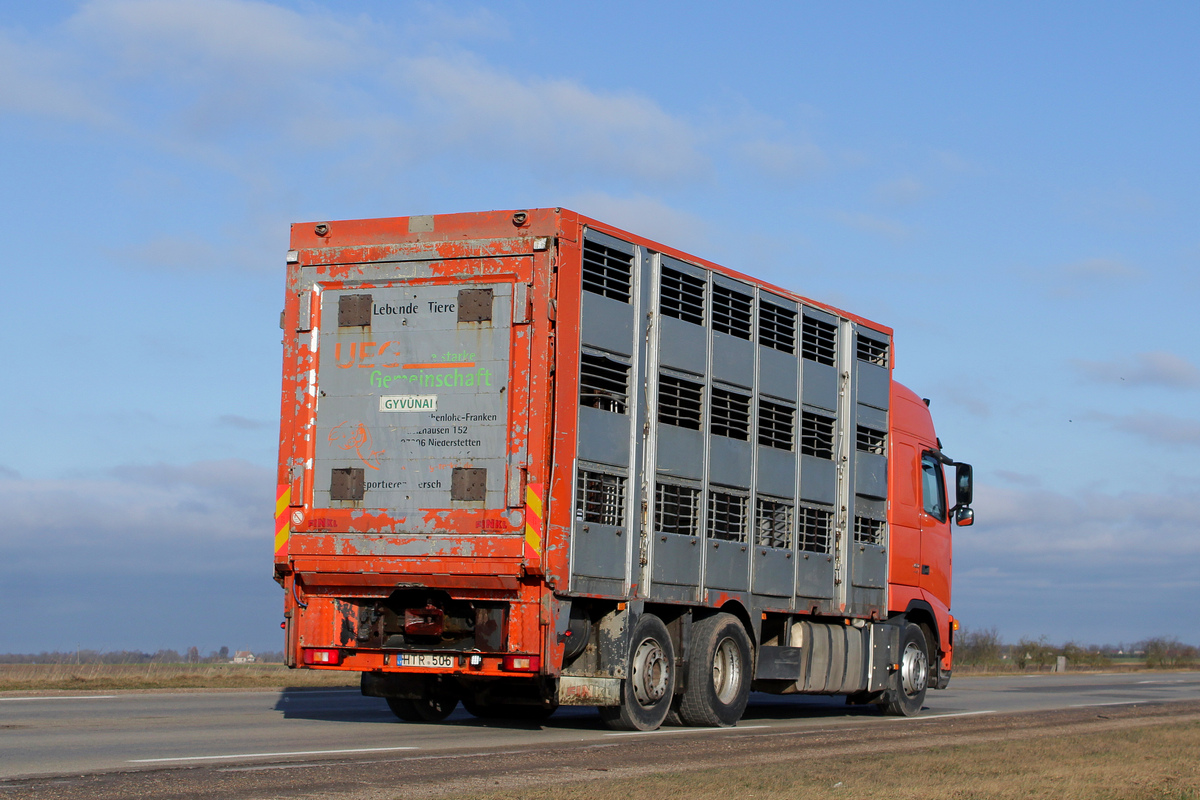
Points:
(107, 677)
(1152, 763)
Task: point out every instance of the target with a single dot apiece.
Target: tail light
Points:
(315, 656)
(522, 663)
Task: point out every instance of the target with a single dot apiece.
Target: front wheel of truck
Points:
(428, 709)
(906, 694)
(649, 682)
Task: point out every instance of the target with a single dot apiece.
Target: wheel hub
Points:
(651, 672)
(914, 669)
(727, 671)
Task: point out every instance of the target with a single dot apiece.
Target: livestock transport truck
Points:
(528, 459)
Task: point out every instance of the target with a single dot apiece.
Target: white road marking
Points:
(941, 716)
(61, 697)
(662, 732)
(1164, 681)
(1117, 703)
(268, 755)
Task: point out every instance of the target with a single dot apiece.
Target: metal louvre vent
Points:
(869, 440)
(680, 402)
(777, 327)
(606, 271)
(872, 352)
(681, 296)
(603, 383)
(815, 525)
(816, 435)
(868, 531)
(773, 525)
(776, 425)
(726, 516)
(730, 312)
(819, 341)
(600, 498)
(676, 509)
(730, 414)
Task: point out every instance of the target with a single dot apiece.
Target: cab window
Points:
(933, 487)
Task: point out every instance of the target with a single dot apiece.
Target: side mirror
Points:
(963, 485)
(964, 516)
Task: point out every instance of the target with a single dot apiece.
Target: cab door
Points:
(905, 491)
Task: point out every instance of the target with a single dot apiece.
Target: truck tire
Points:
(649, 682)
(718, 673)
(429, 709)
(906, 694)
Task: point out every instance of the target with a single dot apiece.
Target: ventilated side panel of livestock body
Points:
(717, 440)
(608, 494)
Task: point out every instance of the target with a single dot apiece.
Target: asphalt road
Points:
(71, 735)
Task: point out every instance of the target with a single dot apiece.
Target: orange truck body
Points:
(505, 435)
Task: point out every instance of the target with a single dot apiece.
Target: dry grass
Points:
(1159, 763)
(108, 677)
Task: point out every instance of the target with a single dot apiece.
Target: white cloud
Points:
(158, 517)
(1086, 276)
(1098, 269)
(904, 191)
(143, 556)
(210, 40)
(1086, 527)
(1155, 427)
(556, 123)
(878, 226)
(246, 86)
(973, 402)
(41, 80)
(952, 162)
(1156, 368)
(783, 159)
(1020, 478)
(643, 216)
(244, 423)
(1066, 566)
(436, 22)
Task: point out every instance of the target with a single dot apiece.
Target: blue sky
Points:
(1012, 188)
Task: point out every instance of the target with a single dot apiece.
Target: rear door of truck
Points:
(409, 435)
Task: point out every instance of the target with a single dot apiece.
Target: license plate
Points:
(426, 660)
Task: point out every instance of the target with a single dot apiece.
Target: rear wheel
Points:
(718, 684)
(649, 681)
(428, 709)
(906, 694)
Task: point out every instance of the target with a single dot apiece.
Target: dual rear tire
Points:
(718, 676)
(718, 673)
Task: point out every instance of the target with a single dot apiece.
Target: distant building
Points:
(244, 657)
